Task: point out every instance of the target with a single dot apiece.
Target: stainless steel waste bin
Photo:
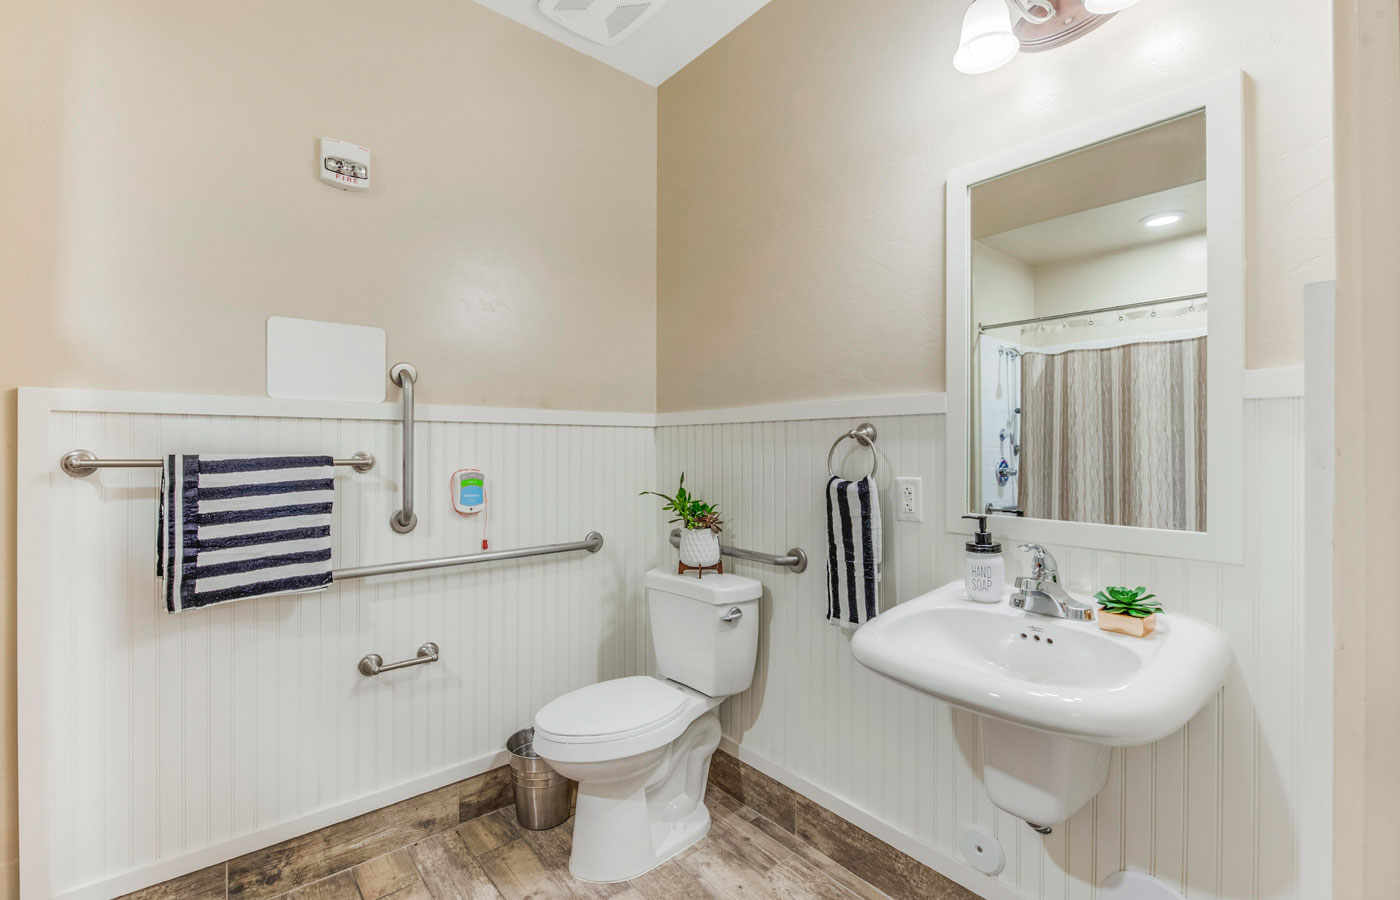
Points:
(543, 797)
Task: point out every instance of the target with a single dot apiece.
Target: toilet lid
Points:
(611, 709)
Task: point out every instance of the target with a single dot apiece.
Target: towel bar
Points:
(373, 663)
(796, 558)
(82, 463)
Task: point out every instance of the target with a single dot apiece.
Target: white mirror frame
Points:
(1222, 99)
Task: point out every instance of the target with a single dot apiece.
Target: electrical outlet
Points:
(909, 499)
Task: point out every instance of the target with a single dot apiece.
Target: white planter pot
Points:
(699, 547)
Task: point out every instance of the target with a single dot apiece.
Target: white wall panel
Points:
(169, 736)
(1210, 809)
(172, 742)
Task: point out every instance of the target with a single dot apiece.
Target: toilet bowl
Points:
(640, 747)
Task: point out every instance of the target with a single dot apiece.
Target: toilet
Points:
(640, 747)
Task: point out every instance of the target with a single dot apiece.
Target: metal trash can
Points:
(543, 797)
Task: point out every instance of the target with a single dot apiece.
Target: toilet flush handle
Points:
(733, 615)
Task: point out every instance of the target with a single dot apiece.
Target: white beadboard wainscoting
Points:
(1212, 810)
(152, 745)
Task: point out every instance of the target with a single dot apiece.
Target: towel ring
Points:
(865, 434)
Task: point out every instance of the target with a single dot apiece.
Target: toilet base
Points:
(626, 827)
(672, 842)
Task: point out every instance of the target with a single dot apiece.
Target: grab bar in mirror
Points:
(82, 463)
(796, 558)
(404, 520)
(593, 542)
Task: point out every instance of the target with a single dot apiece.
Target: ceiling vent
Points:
(605, 22)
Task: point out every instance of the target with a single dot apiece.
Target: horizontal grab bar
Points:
(373, 663)
(592, 543)
(796, 559)
(82, 463)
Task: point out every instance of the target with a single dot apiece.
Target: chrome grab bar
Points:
(593, 542)
(796, 558)
(405, 520)
(373, 663)
(82, 463)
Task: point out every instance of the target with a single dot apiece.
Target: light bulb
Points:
(987, 42)
(1107, 7)
(1163, 219)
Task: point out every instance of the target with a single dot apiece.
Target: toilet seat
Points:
(617, 719)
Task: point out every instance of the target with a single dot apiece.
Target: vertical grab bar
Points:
(405, 520)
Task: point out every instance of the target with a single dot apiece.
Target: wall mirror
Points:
(1095, 341)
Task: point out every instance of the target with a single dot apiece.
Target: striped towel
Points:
(854, 549)
(232, 527)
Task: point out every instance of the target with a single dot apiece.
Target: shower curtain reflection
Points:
(1116, 435)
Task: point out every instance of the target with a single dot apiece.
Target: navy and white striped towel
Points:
(854, 549)
(233, 527)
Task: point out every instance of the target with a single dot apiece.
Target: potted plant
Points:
(702, 526)
(1130, 611)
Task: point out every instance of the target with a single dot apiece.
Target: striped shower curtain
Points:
(1116, 435)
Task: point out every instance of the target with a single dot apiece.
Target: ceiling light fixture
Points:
(987, 42)
(1163, 219)
(994, 31)
(1107, 7)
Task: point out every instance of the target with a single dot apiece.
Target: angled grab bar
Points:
(796, 558)
(405, 520)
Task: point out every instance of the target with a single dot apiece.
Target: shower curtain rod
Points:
(1092, 312)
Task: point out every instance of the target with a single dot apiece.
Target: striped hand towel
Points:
(854, 549)
(232, 527)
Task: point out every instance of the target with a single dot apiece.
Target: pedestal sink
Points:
(1055, 695)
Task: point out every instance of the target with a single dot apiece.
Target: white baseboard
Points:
(193, 861)
(945, 865)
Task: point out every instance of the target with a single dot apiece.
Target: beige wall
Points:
(1367, 676)
(161, 200)
(802, 167)
(1172, 268)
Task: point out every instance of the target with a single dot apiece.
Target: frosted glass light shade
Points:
(1105, 7)
(987, 41)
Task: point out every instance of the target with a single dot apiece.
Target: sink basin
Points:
(1057, 694)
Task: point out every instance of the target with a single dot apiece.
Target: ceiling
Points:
(1163, 156)
(679, 31)
(1116, 226)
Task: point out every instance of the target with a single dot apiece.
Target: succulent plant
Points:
(1123, 601)
(690, 510)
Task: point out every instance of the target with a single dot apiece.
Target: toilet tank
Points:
(699, 641)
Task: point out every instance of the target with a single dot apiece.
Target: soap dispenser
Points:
(986, 570)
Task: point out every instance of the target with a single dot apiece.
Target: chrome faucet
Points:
(1043, 565)
(1040, 592)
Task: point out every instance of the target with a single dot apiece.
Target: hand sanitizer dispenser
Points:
(986, 570)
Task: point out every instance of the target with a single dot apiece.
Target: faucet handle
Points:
(1043, 564)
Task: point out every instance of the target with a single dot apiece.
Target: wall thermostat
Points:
(344, 165)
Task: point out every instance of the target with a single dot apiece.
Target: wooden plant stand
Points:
(717, 568)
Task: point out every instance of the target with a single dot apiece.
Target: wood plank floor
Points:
(492, 858)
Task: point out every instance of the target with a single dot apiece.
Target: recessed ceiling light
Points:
(1163, 219)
